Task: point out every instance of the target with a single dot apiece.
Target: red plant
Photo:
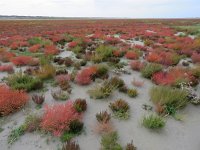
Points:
(56, 119)
(11, 100)
(72, 44)
(137, 65)
(112, 40)
(6, 68)
(162, 78)
(131, 55)
(172, 76)
(137, 83)
(6, 56)
(34, 48)
(50, 50)
(153, 57)
(196, 58)
(61, 79)
(84, 77)
(24, 60)
(118, 53)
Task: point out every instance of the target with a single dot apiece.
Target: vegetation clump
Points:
(22, 81)
(153, 122)
(150, 69)
(120, 109)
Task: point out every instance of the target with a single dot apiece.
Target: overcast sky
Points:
(102, 8)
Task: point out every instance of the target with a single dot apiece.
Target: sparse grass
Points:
(167, 95)
(16, 134)
(101, 91)
(109, 142)
(22, 81)
(150, 69)
(153, 122)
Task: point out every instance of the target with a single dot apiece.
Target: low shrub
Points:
(70, 145)
(63, 81)
(50, 50)
(101, 91)
(38, 99)
(137, 65)
(22, 81)
(109, 142)
(104, 127)
(103, 52)
(153, 122)
(102, 70)
(103, 117)
(150, 69)
(6, 68)
(84, 77)
(11, 100)
(80, 105)
(60, 95)
(56, 119)
(32, 123)
(24, 60)
(35, 48)
(196, 71)
(120, 109)
(123, 89)
(132, 92)
(174, 77)
(131, 55)
(6, 56)
(116, 82)
(46, 72)
(195, 57)
(75, 126)
(130, 146)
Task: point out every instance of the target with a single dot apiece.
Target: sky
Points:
(103, 8)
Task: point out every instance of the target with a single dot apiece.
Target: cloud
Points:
(102, 8)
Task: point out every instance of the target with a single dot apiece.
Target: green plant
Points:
(32, 123)
(77, 49)
(117, 82)
(101, 91)
(80, 105)
(67, 136)
(16, 134)
(123, 89)
(132, 92)
(130, 146)
(102, 70)
(109, 142)
(103, 117)
(46, 72)
(120, 109)
(22, 81)
(196, 71)
(103, 52)
(153, 122)
(163, 95)
(39, 40)
(75, 126)
(150, 69)
(60, 95)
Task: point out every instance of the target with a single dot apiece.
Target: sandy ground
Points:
(176, 135)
